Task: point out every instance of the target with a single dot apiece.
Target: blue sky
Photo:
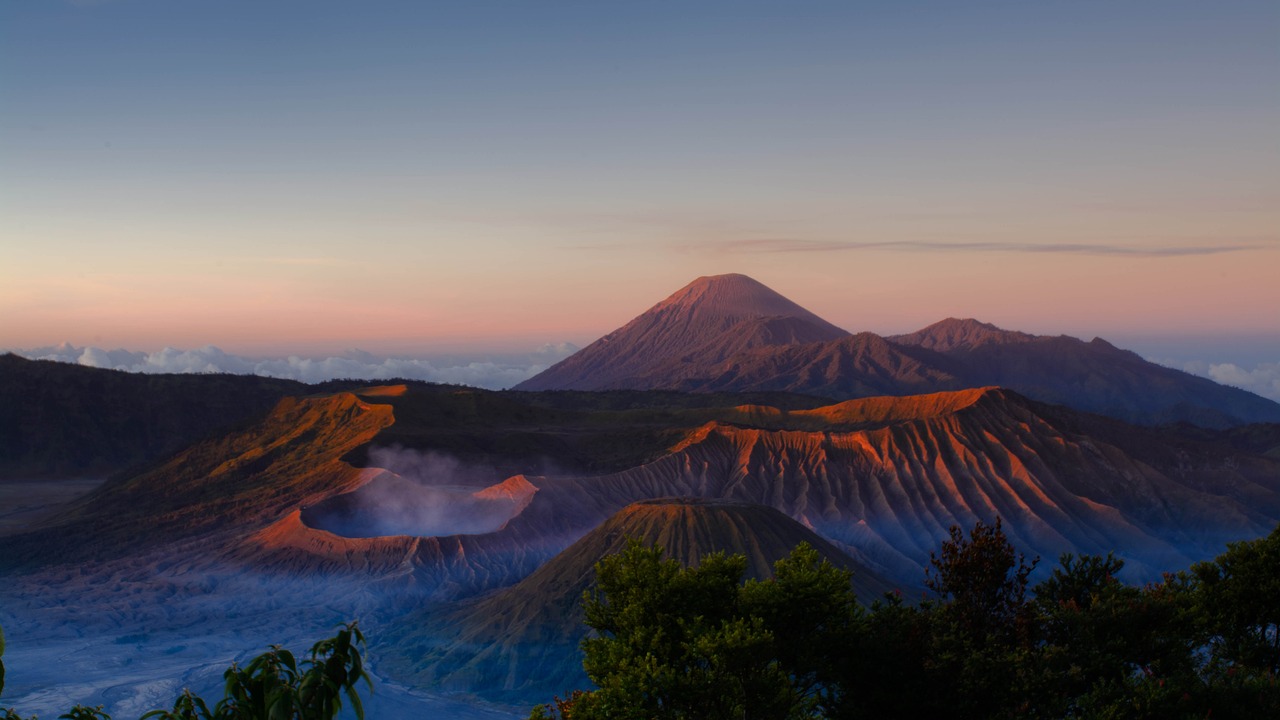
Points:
(289, 176)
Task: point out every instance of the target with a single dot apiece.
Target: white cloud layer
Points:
(489, 373)
(1263, 379)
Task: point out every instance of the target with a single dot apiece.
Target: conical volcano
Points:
(706, 321)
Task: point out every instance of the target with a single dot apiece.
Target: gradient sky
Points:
(279, 177)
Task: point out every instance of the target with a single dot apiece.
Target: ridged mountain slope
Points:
(854, 366)
(884, 478)
(889, 492)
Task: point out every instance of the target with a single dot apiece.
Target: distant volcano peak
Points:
(959, 334)
(704, 322)
(737, 296)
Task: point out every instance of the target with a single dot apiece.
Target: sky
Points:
(423, 178)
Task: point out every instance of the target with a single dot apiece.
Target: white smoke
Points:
(485, 372)
(423, 494)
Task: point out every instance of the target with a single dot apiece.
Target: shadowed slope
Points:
(1098, 377)
(707, 320)
(524, 639)
(231, 484)
(59, 420)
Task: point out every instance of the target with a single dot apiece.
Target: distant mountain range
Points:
(730, 333)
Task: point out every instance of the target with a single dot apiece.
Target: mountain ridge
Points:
(742, 353)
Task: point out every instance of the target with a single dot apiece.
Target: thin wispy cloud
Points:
(299, 261)
(800, 246)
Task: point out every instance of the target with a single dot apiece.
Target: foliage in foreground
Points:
(674, 642)
(272, 686)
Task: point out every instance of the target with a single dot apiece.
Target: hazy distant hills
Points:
(729, 333)
(1094, 376)
(62, 420)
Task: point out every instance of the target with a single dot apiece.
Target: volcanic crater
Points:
(391, 505)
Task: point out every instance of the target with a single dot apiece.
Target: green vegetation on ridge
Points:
(675, 642)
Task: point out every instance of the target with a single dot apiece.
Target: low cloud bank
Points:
(491, 372)
(1263, 379)
(486, 372)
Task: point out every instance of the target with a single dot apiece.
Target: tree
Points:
(1238, 605)
(983, 579)
(675, 642)
(981, 641)
(1240, 600)
(1110, 649)
(886, 671)
(810, 608)
(274, 685)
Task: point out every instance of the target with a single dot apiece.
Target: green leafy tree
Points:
(885, 671)
(84, 712)
(981, 639)
(1238, 605)
(188, 706)
(1109, 649)
(1084, 614)
(274, 686)
(809, 607)
(982, 580)
(681, 643)
(1154, 634)
(675, 642)
(1240, 601)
